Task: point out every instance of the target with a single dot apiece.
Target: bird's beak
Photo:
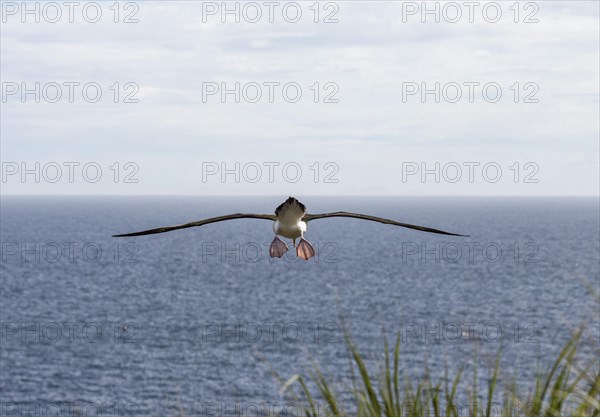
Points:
(278, 248)
(305, 250)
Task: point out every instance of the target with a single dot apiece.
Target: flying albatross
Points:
(290, 221)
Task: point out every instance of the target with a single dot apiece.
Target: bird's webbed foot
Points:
(278, 248)
(305, 250)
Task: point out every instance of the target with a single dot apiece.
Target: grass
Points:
(565, 389)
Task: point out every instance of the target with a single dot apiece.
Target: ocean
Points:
(202, 320)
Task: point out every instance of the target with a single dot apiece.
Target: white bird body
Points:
(289, 222)
(290, 230)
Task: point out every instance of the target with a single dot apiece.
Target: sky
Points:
(328, 98)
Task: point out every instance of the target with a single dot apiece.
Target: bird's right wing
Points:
(201, 223)
(310, 217)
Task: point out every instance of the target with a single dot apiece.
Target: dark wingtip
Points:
(441, 232)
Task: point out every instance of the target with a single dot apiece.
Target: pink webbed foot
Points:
(305, 250)
(278, 248)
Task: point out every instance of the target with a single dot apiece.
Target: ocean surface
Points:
(201, 320)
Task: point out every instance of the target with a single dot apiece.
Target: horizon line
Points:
(305, 195)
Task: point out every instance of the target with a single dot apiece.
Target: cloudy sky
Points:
(361, 125)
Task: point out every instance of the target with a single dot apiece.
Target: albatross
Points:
(290, 221)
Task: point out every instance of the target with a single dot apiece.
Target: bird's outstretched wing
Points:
(200, 223)
(310, 217)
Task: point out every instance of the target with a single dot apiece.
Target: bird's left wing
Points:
(310, 217)
(200, 223)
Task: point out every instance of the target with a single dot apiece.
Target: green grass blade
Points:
(492, 385)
